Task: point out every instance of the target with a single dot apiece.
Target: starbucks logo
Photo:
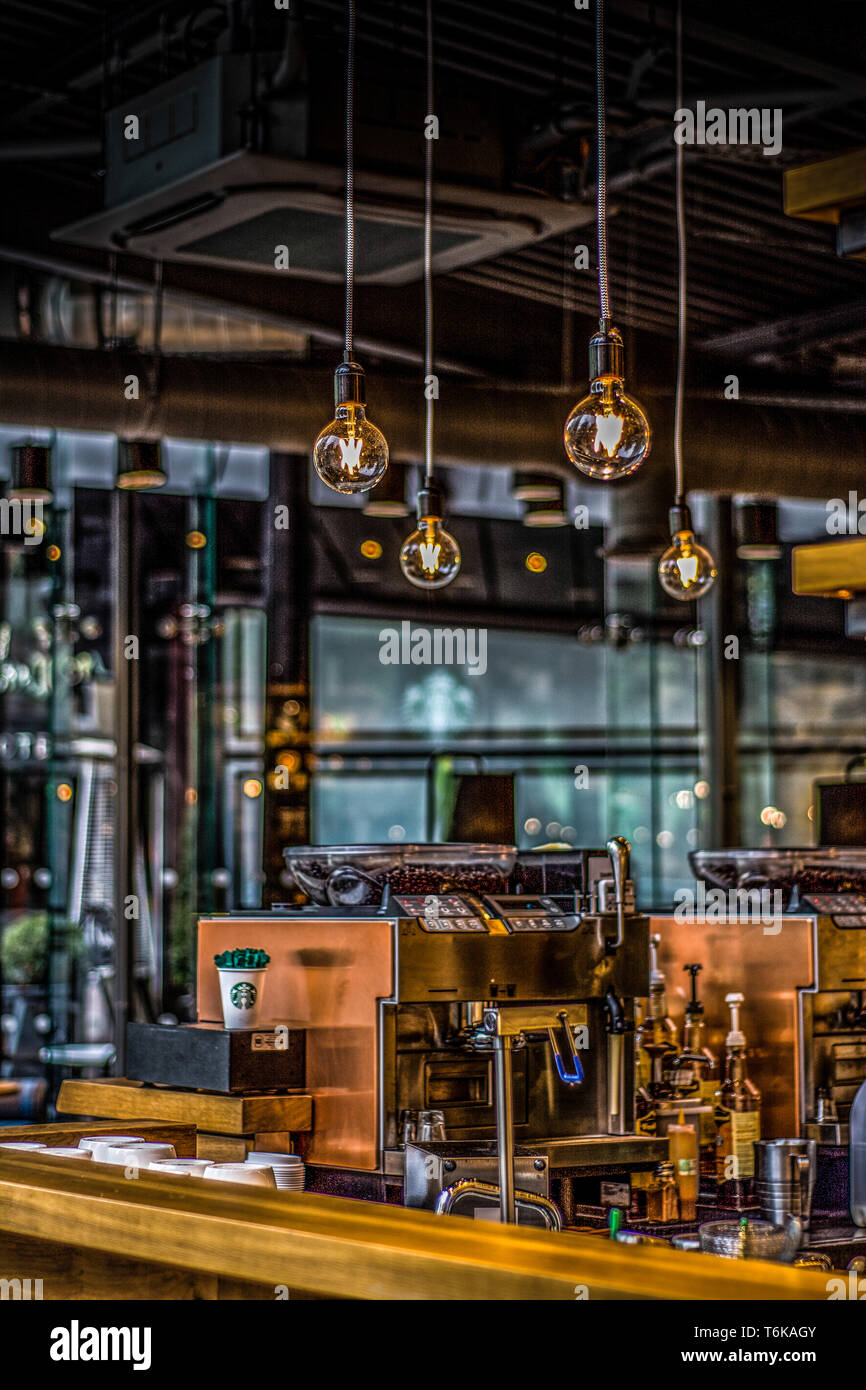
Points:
(243, 994)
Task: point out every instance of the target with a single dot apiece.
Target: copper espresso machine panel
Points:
(805, 1010)
(771, 969)
(385, 1004)
(327, 976)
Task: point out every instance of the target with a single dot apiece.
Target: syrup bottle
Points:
(738, 1118)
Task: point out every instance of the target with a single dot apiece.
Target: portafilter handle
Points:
(619, 850)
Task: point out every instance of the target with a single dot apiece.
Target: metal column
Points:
(720, 685)
(125, 572)
(504, 1085)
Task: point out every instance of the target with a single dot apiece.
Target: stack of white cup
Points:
(288, 1169)
(189, 1167)
(239, 1172)
(99, 1144)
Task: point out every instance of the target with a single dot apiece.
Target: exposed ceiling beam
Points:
(787, 334)
(734, 41)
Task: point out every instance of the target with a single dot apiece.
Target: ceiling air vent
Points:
(187, 188)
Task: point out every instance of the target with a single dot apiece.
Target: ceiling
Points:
(766, 293)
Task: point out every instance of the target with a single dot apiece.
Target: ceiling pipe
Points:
(732, 446)
(128, 284)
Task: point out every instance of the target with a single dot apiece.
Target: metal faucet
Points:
(619, 850)
(508, 1028)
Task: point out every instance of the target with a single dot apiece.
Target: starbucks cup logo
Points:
(244, 994)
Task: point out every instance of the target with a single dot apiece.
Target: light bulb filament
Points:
(350, 454)
(608, 432)
(688, 568)
(430, 552)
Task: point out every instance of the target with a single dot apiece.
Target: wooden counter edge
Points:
(341, 1248)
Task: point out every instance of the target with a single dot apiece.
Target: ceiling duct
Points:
(204, 181)
(487, 423)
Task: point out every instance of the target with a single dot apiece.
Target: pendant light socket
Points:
(429, 501)
(139, 465)
(680, 518)
(31, 473)
(606, 352)
(349, 385)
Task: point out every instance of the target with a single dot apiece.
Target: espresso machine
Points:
(508, 1015)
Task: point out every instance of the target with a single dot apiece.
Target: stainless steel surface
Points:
(619, 851)
(522, 966)
(427, 1168)
(472, 1192)
(503, 1082)
(835, 1134)
(785, 1178)
(518, 1020)
(604, 1151)
(509, 1026)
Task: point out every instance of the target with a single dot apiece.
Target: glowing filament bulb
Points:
(687, 570)
(350, 454)
(430, 557)
(429, 551)
(607, 435)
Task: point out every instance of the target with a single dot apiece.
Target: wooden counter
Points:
(89, 1232)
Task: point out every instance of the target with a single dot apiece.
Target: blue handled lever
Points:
(568, 1064)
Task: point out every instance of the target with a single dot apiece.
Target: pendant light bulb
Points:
(687, 570)
(350, 454)
(430, 557)
(607, 435)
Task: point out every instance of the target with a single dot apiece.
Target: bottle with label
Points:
(738, 1119)
(695, 1074)
(657, 1038)
(683, 1141)
(662, 1201)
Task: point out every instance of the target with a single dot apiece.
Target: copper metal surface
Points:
(326, 976)
(768, 970)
